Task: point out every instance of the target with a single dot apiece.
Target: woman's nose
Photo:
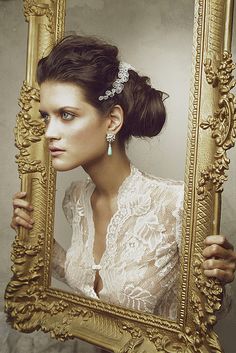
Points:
(52, 129)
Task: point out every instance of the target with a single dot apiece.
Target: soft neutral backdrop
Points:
(157, 44)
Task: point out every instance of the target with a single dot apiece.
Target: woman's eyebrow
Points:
(60, 109)
(69, 107)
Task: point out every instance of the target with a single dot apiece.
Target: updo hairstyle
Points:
(93, 65)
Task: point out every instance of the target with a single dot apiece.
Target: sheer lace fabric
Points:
(139, 268)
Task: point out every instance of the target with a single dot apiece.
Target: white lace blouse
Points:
(139, 268)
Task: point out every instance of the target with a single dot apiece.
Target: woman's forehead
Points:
(60, 94)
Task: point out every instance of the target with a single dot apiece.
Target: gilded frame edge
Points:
(30, 304)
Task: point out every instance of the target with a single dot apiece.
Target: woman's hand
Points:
(21, 208)
(220, 258)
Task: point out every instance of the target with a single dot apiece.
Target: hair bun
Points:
(146, 114)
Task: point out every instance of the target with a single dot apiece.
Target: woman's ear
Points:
(116, 119)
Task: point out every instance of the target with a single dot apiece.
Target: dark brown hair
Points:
(93, 65)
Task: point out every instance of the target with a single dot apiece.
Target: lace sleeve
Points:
(59, 254)
(178, 213)
(71, 197)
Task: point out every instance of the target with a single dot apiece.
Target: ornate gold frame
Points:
(30, 302)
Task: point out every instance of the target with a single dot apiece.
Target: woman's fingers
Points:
(220, 258)
(212, 264)
(23, 204)
(21, 214)
(13, 225)
(219, 240)
(18, 201)
(223, 276)
(218, 251)
(17, 221)
(19, 195)
(20, 209)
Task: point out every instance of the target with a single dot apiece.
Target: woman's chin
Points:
(59, 166)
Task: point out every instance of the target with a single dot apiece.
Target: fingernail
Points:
(23, 192)
(32, 221)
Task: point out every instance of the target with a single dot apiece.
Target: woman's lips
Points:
(56, 151)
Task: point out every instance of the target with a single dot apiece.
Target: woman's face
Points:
(75, 131)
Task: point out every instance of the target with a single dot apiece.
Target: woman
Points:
(126, 224)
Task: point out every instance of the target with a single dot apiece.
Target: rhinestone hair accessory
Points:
(118, 84)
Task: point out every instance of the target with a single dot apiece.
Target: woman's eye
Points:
(45, 118)
(67, 116)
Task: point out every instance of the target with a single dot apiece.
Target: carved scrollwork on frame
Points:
(222, 123)
(35, 305)
(27, 132)
(36, 8)
(207, 297)
(27, 267)
(137, 337)
(163, 343)
(26, 299)
(187, 341)
(204, 313)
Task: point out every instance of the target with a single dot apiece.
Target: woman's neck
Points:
(109, 172)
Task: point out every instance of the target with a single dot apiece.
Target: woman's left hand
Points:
(220, 258)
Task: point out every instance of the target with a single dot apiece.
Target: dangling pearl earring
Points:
(110, 138)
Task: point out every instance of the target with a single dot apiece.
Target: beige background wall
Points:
(156, 40)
